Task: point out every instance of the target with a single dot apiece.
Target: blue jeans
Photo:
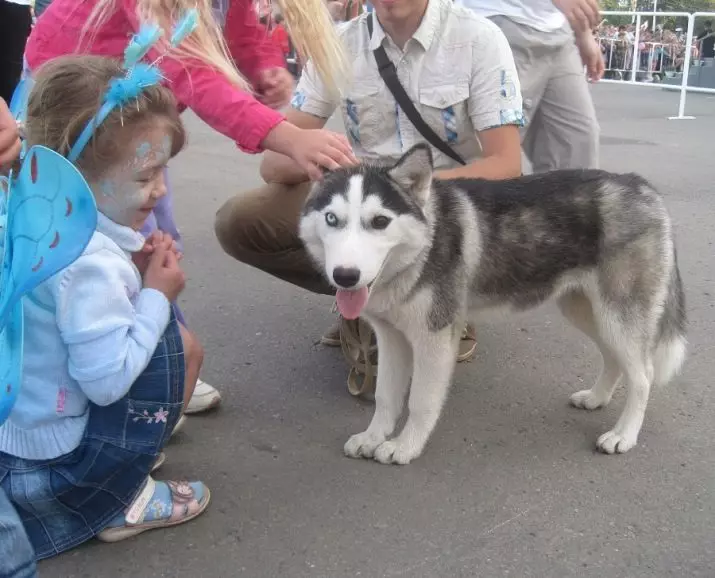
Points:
(17, 560)
(65, 501)
(40, 6)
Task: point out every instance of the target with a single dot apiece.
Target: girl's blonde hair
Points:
(308, 22)
(67, 94)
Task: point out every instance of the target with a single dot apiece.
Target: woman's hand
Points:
(275, 87)
(9, 137)
(313, 150)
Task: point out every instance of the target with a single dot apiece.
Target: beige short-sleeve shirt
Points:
(457, 69)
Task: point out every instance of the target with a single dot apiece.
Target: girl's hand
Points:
(311, 149)
(164, 274)
(318, 149)
(154, 241)
(275, 87)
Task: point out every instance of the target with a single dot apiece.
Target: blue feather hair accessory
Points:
(139, 75)
(185, 27)
(141, 43)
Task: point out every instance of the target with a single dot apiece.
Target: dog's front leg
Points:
(393, 379)
(434, 359)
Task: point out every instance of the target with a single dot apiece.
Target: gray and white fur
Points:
(434, 254)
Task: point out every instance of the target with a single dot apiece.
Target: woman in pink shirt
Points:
(203, 78)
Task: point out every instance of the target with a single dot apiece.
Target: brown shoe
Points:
(357, 341)
(467, 345)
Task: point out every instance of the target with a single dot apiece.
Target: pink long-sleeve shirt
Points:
(218, 102)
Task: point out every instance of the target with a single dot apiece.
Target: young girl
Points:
(106, 367)
(204, 79)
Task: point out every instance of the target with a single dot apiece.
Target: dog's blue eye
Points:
(380, 222)
(331, 219)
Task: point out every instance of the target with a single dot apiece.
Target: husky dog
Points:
(417, 257)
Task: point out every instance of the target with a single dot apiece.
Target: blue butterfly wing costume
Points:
(50, 216)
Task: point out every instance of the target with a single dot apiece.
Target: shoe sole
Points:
(123, 533)
(181, 422)
(215, 403)
(158, 463)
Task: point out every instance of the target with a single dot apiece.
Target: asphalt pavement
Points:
(510, 484)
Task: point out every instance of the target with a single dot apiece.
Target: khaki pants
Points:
(562, 131)
(260, 228)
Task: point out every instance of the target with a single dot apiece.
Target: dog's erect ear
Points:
(413, 172)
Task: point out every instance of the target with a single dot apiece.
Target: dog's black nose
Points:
(346, 276)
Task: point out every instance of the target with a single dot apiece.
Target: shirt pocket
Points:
(365, 116)
(445, 110)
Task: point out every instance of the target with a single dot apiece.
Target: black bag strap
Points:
(389, 75)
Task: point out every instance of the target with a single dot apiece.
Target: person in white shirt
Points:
(15, 27)
(552, 41)
(458, 71)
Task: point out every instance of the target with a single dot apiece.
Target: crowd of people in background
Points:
(661, 52)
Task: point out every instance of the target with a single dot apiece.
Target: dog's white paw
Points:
(395, 452)
(614, 442)
(588, 399)
(362, 445)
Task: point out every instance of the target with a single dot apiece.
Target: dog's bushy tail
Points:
(671, 343)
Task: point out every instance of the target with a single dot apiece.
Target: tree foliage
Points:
(662, 6)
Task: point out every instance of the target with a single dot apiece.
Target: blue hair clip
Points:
(120, 92)
(185, 27)
(139, 75)
(141, 43)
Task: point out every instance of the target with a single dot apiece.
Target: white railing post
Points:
(686, 71)
(635, 62)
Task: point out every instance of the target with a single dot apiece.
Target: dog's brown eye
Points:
(380, 222)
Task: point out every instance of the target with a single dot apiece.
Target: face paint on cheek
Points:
(143, 150)
(122, 200)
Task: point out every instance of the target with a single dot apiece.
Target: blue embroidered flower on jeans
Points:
(450, 124)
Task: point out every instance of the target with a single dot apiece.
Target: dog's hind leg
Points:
(393, 380)
(576, 307)
(628, 341)
(434, 356)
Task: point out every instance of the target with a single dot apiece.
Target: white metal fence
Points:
(640, 63)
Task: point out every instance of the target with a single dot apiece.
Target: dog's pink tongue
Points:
(351, 303)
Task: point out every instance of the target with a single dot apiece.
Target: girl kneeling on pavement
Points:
(107, 367)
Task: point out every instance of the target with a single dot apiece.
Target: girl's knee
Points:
(195, 354)
(193, 359)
